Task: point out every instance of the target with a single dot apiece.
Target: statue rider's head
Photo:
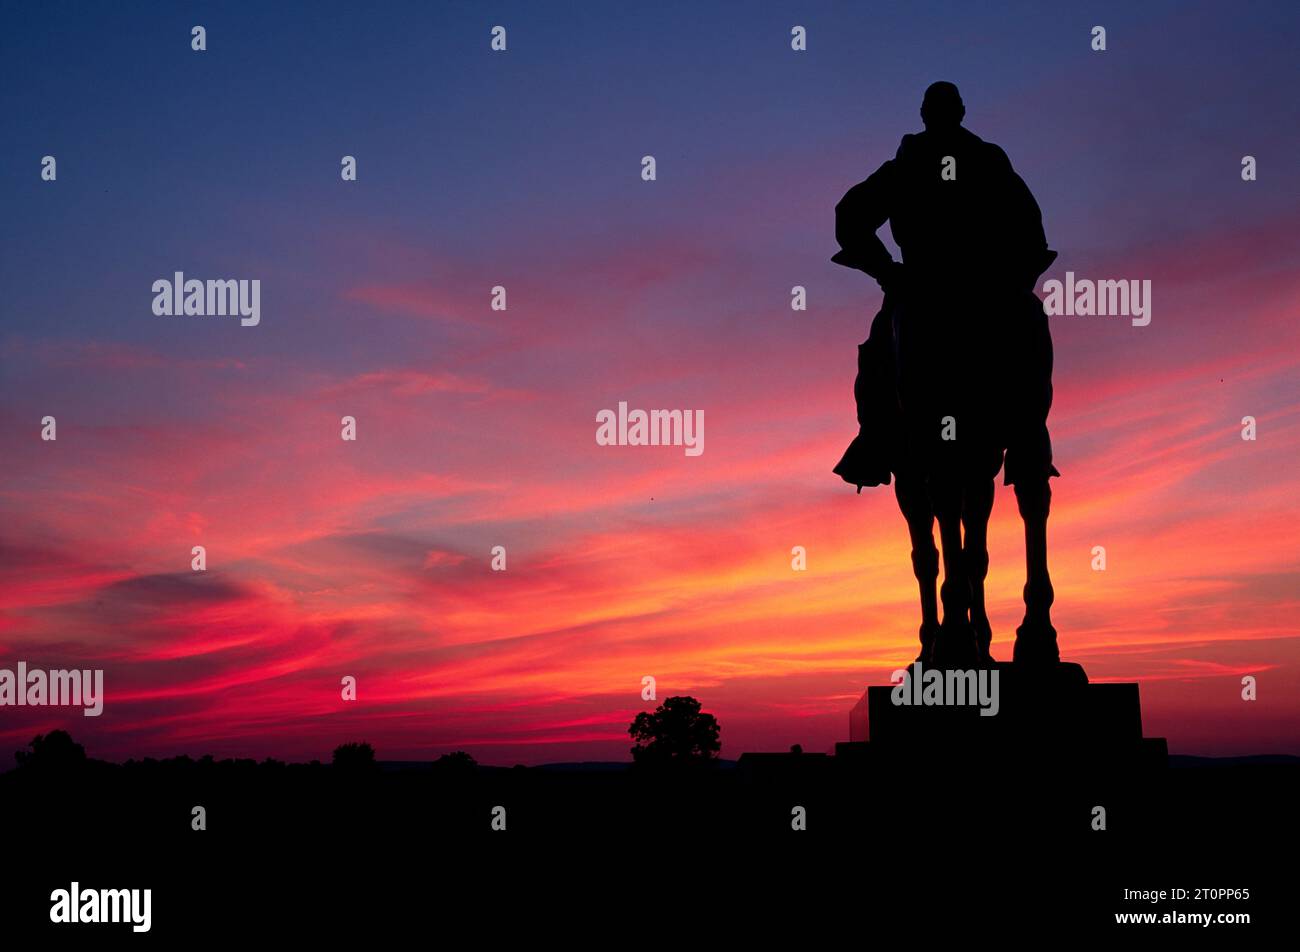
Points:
(942, 109)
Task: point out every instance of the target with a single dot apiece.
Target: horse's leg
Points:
(955, 646)
(977, 505)
(914, 503)
(1036, 638)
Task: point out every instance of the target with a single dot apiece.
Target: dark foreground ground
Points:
(597, 857)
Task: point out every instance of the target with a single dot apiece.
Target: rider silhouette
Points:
(973, 246)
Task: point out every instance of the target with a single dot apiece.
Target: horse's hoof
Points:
(983, 639)
(928, 633)
(955, 647)
(1036, 644)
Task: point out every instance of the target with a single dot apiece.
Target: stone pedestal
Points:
(1042, 714)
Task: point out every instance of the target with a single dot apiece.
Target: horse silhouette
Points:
(954, 380)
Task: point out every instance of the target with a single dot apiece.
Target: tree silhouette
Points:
(53, 751)
(354, 756)
(457, 762)
(676, 733)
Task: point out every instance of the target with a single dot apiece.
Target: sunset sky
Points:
(476, 428)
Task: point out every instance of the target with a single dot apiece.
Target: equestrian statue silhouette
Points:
(955, 378)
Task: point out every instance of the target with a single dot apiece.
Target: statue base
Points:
(1026, 714)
